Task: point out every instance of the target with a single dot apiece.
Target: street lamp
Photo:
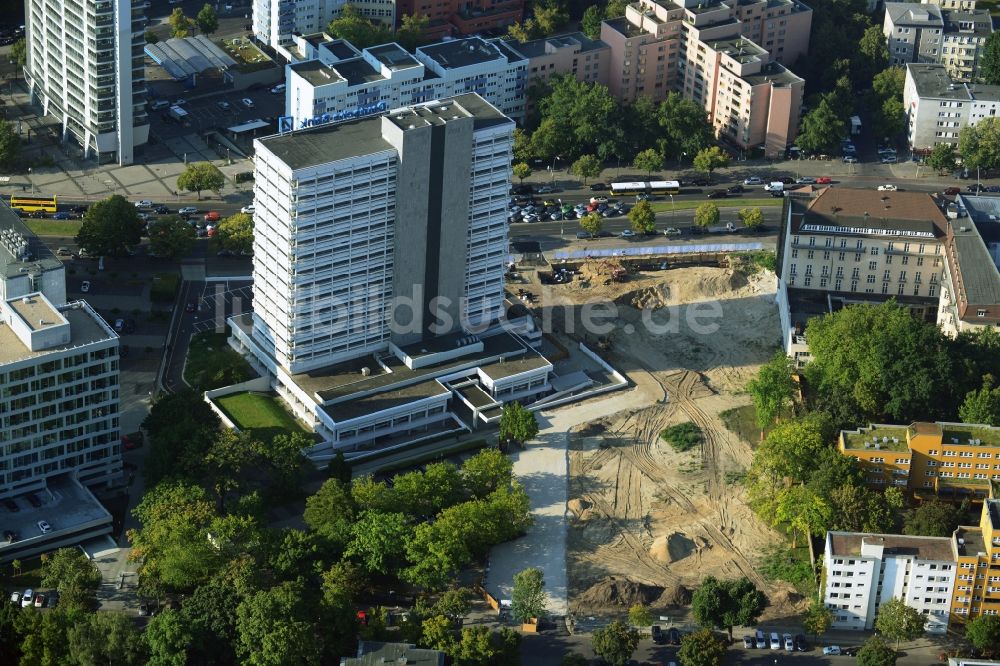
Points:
(671, 208)
(31, 182)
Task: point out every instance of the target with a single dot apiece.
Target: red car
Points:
(212, 216)
(824, 180)
(952, 191)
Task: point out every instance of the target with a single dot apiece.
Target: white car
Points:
(27, 598)
(753, 180)
(247, 102)
(145, 203)
(671, 231)
(888, 187)
(831, 649)
(187, 210)
(628, 233)
(85, 287)
(249, 210)
(789, 642)
(44, 527)
(598, 200)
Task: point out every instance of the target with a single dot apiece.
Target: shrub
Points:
(682, 437)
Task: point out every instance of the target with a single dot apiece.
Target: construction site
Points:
(646, 522)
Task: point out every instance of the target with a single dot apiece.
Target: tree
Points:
(521, 171)
(873, 50)
(706, 215)
(942, 158)
(982, 406)
(979, 144)
(711, 158)
(593, 17)
(486, 471)
(789, 451)
(206, 19)
(235, 233)
(854, 508)
(648, 160)
(701, 648)
(616, 642)
(15, 564)
(169, 637)
(586, 167)
(453, 603)
(525, 31)
(876, 653)
(10, 145)
(378, 540)
(517, 423)
(933, 517)
(891, 118)
(180, 25)
(424, 494)
(818, 619)
(899, 622)
(201, 176)
(642, 217)
(773, 388)
(74, 575)
(522, 146)
(276, 627)
(983, 632)
(803, 510)
(615, 9)
(170, 237)
(576, 118)
(412, 32)
(888, 84)
(352, 26)
(727, 603)
(685, 126)
(752, 218)
(822, 129)
(591, 223)
(108, 638)
(528, 595)
(550, 15)
(989, 64)
(639, 616)
(110, 227)
(19, 52)
(181, 427)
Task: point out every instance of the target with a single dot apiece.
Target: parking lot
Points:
(208, 112)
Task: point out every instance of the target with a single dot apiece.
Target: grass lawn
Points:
(53, 227)
(735, 202)
(260, 413)
(164, 288)
(743, 422)
(212, 363)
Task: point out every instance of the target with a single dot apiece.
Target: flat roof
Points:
(963, 432)
(36, 312)
(932, 81)
(357, 71)
(870, 212)
(316, 73)
(393, 56)
(371, 653)
(979, 19)
(509, 368)
(378, 402)
(980, 276)
(85, 328)
(910, 14)
(476, 396)
(856, 439)
(969, 540)
(459, 53)
(67, 507)
(539, 47)
(926, 548)
(328, 142)
(12, 229)
(340, 49)
(774, 73)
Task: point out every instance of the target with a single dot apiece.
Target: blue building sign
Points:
(287, 123)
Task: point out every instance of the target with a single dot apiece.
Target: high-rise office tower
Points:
(86, 67)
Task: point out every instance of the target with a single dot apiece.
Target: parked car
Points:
(736, 189)
(761, 639)
(850, 159)
(38, 214)
(658, 636)
(888, 187)
(278, 89)
(27, 597)
(79, 210)
(162, 210)
(133, 440)
(888, 159)
(249, 210)
(824, 180)
(44, 527)
(39, 600)
(33, 500)
(15, 598)
(628, 233)
(952, 191)
(85, 286)
(545, 189)
(800, 643)
(222, 104)
(787, 180)
(52, 600)
(180, 101)
(832, 649)
(598, 200)
(583, 235)
(789, 642)
(674, 636)
(753, 180)
(976, 188)
(187, 210)
(775, 641)
(748, 642)
(190, 307)
(247, 102)
(598, 187)
(212, 216)
(718, 194)
(671, 231)
(145, 203)
(62, 215)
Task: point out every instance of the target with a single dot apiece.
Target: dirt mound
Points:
(614, 592)
(676, 546)
(650, 298)
(599, 271)
(787, 598)
(676, 595)
(579, 507)
(708, 283)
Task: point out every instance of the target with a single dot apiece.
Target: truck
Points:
(774, 186)
(728, 228)
(178, 114)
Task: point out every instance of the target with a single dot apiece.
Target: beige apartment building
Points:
(950, 32)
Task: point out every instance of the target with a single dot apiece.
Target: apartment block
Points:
(938, 106)
(277, 22)
(863, 571)
(380, 249)
(970, 294)
(452, 18)
(85, 66)
(951, 460)
(934, 33)
(58, 400)
(574, 53)
(710, 53)
(343, 80)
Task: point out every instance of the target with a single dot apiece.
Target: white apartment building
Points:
(938, 106)
(863, 571)
(379, 258)
(952, 33)
(276, 22)
(342, 80)
(970, 294)
(85, 65)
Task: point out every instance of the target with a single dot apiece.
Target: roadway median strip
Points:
(733, 202)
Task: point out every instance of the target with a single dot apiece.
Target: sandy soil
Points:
(648, 522)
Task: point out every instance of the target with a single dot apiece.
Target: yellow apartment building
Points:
(977, 554)
(950, 460)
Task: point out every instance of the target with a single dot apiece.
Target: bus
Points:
(629, 188)
(32, 204)
(664, 187)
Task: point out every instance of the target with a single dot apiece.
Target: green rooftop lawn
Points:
(989, 437)
(263, 414)
(857, 440)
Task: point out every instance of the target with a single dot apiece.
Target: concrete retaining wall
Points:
(256, 385)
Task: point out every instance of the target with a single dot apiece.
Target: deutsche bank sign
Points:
(287, 123)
